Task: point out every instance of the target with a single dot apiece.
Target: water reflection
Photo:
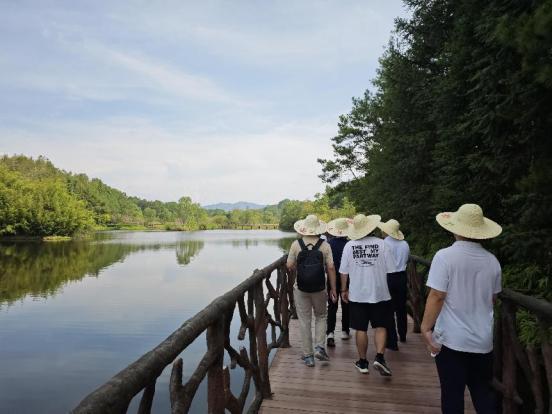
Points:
(188, 249)
(85, 329)
(42, 269)
(284, 243)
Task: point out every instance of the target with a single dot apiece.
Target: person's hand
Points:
(345, 296)
(333, 295)
(433, 347)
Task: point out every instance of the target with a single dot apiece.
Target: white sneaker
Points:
(345, 335)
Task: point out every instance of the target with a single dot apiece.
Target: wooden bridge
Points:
(264, 303)
(337, 387)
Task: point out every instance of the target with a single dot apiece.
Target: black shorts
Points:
(377, 314)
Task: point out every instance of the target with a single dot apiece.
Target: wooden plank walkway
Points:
(337, 387)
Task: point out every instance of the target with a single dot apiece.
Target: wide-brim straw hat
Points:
(391, 228)
(310, 226)
(468, 221)
(362, 225)
(339, 227)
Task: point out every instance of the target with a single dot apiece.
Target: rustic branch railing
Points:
(416, 288)
(255, 316)
(522, 374)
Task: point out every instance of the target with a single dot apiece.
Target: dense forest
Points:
(460, 111)
(38, 199)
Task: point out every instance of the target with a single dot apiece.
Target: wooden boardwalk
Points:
(337, 387)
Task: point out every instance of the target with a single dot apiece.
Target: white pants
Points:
(305, 303)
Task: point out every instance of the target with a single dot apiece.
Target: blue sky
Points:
(218, 100)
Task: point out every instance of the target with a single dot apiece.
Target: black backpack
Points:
(311, 276)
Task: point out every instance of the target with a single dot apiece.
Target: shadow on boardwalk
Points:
(337, 387)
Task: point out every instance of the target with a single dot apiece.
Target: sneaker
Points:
(330, 342)
(362, 366)
(381, 366)
(308, 360)
(345, 335)
(320, 354)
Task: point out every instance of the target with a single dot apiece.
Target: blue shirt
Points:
(337, 244)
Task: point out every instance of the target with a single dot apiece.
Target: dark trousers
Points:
(397, 288)
(332, 312)
(456, 370)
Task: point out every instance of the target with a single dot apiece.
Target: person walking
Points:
(396, 281)
(311, 258)
(366, 262)
(464, 280)
(338, 230)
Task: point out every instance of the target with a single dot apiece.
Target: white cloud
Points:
(218, 100)
(322, 34)
(145, 160)
(157, 75)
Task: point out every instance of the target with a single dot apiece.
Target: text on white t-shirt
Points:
(367, 262)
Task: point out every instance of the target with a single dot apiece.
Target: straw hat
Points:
(311, 226)
(468, 221)
(338, 227)
(362, 225)
(391, 227)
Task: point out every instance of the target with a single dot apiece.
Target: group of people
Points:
(344, 261)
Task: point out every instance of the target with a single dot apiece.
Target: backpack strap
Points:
(302, 244)
(318, 244)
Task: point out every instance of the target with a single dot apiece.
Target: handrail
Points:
(538, 306)
(115, 395)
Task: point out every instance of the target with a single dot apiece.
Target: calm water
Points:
(73, 314)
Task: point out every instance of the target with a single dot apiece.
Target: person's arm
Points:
(330, 269)
(434, 304)
(292, 257)
(344, 288)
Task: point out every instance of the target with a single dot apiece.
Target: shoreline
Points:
(87, 236)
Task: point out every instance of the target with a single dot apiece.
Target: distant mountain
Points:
(240, 205)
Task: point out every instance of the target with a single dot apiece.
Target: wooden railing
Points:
(522, 373)
(252, 301)
(416, 275)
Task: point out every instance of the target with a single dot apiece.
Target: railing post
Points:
(415, 295)
(262, 347)
(215, 379)
(284, 305)
(509, 369)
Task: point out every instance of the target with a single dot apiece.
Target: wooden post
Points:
(215, 379)
(415, 295)
(147, 399)
(262, 347)
(509, 371)
(284, 306)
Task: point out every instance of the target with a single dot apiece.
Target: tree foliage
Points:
(293, 210)
(460, 111)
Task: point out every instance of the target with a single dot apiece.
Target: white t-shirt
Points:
(400, 251)
(367, 262)
(470, 275)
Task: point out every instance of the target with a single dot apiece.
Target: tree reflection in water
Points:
(187, 249)
(42, 269)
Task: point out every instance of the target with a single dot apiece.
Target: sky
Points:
(221, 101)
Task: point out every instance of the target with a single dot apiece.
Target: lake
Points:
(73, 314)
